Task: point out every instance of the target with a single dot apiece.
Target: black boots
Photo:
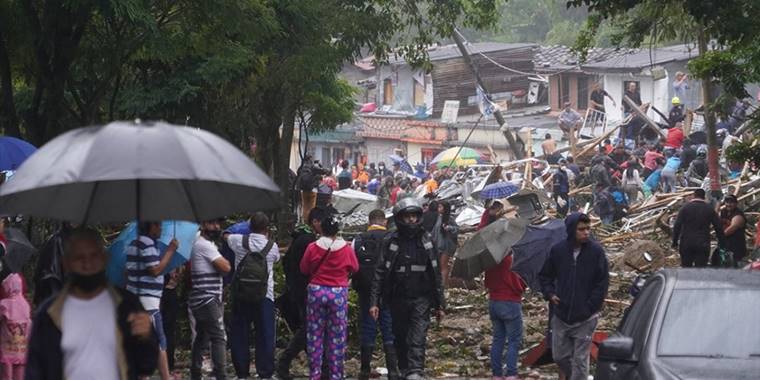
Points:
(366, 362)
(391, 362)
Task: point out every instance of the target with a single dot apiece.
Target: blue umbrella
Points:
(402, 162)
(13, 152)
(184, 232)
(498, 190)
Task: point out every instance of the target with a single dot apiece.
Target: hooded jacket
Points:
(333, 270)
(581, 284)
(16, 325)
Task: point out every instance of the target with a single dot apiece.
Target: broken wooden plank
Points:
(643, 115)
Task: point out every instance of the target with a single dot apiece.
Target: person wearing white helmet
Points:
(408, 281)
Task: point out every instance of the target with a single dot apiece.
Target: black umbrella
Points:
(18, 250)
(144, 171)
(532, 250)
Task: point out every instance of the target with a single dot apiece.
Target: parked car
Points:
(688, 324)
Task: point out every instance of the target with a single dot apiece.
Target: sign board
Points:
(450, 111)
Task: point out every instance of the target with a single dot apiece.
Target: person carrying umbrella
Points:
(574, 279)
(145, 266)
(90, 330)
(408, 281)
(505, 290)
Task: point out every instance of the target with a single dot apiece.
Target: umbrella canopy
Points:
(127, 171)
(402, 162)
(467, 156)
(487, 247)
(532, 250)
(498, 190)
(13, 152)
(18, 250)
(184, 232)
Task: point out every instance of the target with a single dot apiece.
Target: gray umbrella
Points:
(487, 247)
(18, 249)
(145, 171)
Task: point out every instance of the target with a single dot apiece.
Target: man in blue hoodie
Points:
(574, 280)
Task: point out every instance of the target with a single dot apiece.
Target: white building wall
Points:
(379, 150)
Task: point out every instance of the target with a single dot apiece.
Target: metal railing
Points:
(594, 119)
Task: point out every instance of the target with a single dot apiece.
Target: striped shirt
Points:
(141, 255)
(206, 280)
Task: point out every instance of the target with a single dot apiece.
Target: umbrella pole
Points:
(454, 160)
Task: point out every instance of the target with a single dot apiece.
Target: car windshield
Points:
(718, 323)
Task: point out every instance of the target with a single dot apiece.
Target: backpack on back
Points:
(367, 249)
(252, 274)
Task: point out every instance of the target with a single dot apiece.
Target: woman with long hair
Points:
(632, 183)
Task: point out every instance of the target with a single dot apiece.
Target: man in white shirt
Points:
(90, 330)
(205, 300)
(260, 313)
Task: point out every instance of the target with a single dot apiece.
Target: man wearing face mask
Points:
(145, 266)
(207, 268)
(90, 330)
(408, 282)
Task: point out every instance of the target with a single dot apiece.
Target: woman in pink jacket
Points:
(328, 262)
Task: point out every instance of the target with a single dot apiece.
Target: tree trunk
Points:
(712, 140)
(8, 115)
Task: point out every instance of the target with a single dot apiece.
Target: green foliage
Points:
(541, 21)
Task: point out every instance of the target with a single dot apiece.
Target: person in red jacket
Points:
(328, 262)
(505, 290)
(675, 137)
(491, 214)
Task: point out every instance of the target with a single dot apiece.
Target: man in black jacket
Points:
(408, 282)
(90, 330)
(294, 298)
(691, 231)
(367, 248)
(574, 279)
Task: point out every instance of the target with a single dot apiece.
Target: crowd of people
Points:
(86, 328)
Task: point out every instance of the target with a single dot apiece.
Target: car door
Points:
(636, 324)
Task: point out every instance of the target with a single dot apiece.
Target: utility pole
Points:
(712, 140)
(516, 151)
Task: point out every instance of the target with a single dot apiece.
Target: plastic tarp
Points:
(470, 215)
(352, 200)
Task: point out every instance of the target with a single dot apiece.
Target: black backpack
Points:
(252, 274)
(367, 247)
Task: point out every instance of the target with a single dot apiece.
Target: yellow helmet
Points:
(676, 100)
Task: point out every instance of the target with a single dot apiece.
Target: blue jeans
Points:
(158, 327)
(368, 326)
(262, 316)
(506, 318)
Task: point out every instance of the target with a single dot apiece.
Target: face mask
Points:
(213, 234)
(87, 282)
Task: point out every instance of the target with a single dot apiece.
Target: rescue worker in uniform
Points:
(408, 282)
